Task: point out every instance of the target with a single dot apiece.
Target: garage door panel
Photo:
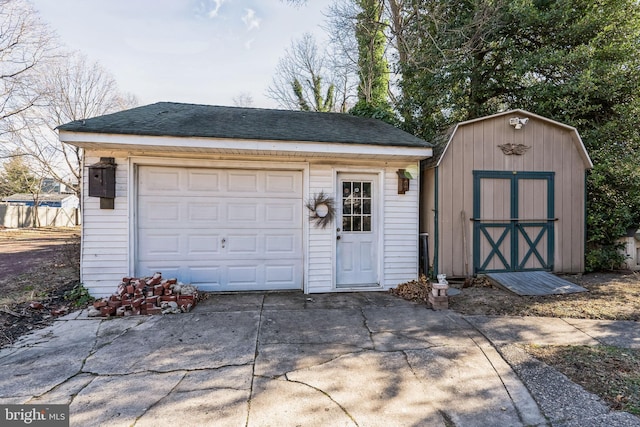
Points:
(239, 244)
(279, 274)
(209, 275)
(154, 245)
(221, 229)
(243, 182)
(242, 213)
(283, 184)
(204, 180)
(281, 244)
(206, 212)
(159, 180)
(283, 213)
(200, 245)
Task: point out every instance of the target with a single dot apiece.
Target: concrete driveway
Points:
(271, 359)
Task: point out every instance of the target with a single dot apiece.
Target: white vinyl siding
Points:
(400, 228)
(321, 241)
(105, 233)
(108, 250)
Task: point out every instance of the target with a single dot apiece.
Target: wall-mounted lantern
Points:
(403, 181)
(102, 181)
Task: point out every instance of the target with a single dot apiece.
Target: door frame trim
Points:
(190, 162)
(377, 175)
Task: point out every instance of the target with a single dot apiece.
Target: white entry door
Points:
(357, 234)
(221, 229)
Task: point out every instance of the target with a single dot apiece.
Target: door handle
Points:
(223, 242)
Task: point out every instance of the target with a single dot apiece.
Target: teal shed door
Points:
(513, 216)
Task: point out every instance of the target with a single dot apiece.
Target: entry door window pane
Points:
(357, 206)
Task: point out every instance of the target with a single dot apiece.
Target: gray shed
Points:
(506, 193)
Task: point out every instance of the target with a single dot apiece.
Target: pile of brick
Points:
(149, 295)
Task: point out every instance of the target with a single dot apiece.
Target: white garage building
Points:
(244, 199)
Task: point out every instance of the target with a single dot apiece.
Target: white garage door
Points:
(221, 229)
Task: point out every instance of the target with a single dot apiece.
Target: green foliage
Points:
(373, 68)
(383, 112)
(16, 177)
(78, 296)
(574, 61)
(321, 104)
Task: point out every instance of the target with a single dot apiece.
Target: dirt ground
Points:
(37, 268)
(611, 296)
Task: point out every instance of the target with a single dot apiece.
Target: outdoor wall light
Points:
(403, 181)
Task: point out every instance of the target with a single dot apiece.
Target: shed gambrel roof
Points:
(441, 149)
(208, 121)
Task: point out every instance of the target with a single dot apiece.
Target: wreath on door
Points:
(322, 209)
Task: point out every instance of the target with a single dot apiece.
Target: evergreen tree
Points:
(16, 177)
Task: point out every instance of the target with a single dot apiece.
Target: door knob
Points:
(337, 237)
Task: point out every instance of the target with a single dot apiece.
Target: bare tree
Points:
(26, 44)
(303, 79)
(243, 99)
(71, 89)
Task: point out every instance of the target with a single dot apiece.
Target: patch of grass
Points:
(612, 373)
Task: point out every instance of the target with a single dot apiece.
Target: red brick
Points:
(154, 310)
(172, 281)
(126, 280)
(107, 311)
(99, 304)
(168, 298)
(185, 301)
(137, 302)
(158, 290)
(155, 279)
(114, 304)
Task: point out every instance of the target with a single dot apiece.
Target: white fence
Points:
(24, 216)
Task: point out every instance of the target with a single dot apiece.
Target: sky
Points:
(194, 51)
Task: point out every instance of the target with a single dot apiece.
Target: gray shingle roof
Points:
(208, 121)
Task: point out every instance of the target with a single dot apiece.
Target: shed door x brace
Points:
(513, 214)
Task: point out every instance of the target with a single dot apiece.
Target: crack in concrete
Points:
(147, 409)
(365, 323)
(342, 408)
(584, 332)
(255, 357)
